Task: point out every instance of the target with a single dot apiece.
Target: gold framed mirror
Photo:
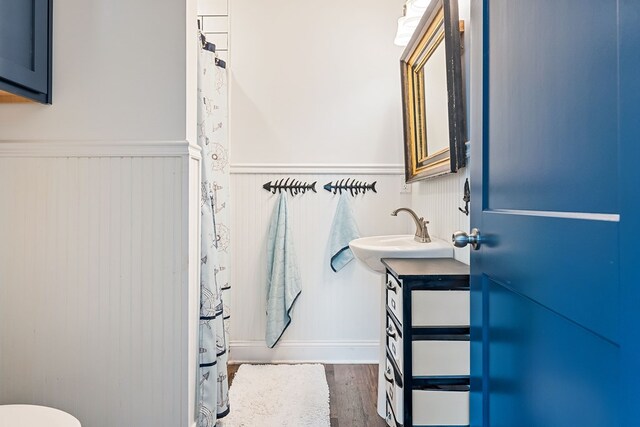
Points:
(432, 95)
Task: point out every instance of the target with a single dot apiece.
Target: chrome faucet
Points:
(422, 235)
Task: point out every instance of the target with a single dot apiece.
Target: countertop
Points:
(424, 268)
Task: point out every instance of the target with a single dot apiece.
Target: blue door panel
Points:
(574, 270)
(546, 371)
(552, 110)
(554, 311)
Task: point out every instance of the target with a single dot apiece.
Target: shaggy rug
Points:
(278, 396)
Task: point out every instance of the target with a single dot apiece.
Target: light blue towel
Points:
(283, 278)
(343, 230)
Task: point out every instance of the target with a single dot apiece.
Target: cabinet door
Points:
(24, 43)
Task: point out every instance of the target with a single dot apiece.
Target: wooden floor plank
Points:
(349, 408)
(368, 388)
(353, 394)
(331, 381)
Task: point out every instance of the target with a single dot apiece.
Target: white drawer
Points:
(394, 342)
(430, 358)
(440, 358)
(447, 405)
(394, 296)
(441, 406)
(394, 393)
(439, 308)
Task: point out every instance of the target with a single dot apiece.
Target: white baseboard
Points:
(335, 352)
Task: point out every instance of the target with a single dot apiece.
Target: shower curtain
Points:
(213, 397)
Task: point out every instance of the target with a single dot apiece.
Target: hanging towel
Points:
(283, 278)
(343, 230)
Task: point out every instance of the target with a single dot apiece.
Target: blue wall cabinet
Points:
(555, 293)
(25, 49)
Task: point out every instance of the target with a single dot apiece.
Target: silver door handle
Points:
(461, 239)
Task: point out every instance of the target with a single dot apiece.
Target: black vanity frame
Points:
(448, 275)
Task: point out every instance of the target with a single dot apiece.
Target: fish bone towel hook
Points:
(292, 185)
(351, 185)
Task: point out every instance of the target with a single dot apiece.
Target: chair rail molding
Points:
(317, 168)
(142, 148)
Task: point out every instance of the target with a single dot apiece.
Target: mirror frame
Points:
(453, 158)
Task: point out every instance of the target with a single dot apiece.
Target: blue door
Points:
(555, 299)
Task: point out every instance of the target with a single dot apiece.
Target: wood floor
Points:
(353, 391)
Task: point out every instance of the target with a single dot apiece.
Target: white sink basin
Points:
(370, 250)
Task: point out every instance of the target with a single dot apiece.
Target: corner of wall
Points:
(438, 200)
(191, 69)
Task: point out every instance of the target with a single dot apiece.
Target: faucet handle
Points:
(422, 234)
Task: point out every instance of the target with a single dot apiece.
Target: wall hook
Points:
(294, 186)
(466, 198)
(351, 185)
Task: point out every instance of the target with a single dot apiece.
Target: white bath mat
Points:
(278, 396)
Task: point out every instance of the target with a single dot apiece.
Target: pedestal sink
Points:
(369, 251)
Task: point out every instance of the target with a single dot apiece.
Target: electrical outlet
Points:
(405, 189)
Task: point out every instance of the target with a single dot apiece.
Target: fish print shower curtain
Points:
(213, 396)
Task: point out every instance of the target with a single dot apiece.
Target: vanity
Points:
(427, 342)
(424, 346)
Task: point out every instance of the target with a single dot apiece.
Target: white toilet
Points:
(35, 416)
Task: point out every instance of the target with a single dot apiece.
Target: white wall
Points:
(336, 318)
(119, 73)
(438, 198)
(99, 220)
(315, 82)
(315, 94)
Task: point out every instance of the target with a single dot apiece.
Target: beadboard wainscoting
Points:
(99, 280)
(336, 317)
(438, 200)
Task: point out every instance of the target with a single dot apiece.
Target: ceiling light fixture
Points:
(407, 24)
